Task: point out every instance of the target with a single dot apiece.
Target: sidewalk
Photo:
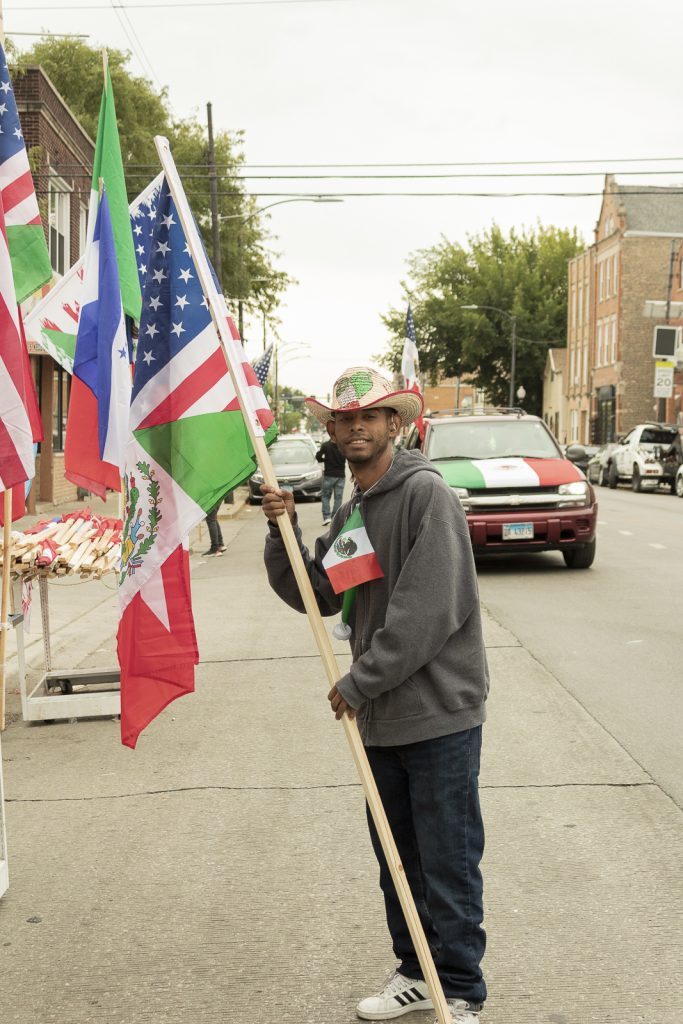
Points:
(222, 873)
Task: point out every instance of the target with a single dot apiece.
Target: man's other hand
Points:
(339, 705)
(276, 502)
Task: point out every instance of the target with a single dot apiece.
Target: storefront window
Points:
(61, 389)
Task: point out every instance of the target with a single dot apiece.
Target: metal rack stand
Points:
(63, 693)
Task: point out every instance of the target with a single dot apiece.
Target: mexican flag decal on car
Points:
(351, 560)
(480, 474)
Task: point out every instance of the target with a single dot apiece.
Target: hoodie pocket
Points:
(402, 702)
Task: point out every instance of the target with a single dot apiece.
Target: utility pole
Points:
(661, 402)
(513, 359)
(213, 188)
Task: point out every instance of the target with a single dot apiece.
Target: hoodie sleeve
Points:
(282, 579)
(434, 596)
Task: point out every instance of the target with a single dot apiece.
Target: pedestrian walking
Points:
(418, 682)
(217, 547)
(334, 477)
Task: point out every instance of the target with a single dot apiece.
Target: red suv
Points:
(519, 492)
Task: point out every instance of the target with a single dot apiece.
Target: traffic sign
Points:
(664, 380)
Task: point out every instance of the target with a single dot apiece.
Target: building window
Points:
(614, 273)
(82, 228)
(608, 276)
(614, 340)
(601, 280)
(61, 389)
(59, 210)
(574, 425)
(573, 322)
(580, 304)
(585, 363)
(598, 353)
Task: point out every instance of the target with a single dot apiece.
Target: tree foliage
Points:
(75, 69)
(524, 274)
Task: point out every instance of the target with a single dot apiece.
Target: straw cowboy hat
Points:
(361, 387)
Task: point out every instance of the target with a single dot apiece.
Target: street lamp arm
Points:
(511, 316)
(513, 356)
(278, 202)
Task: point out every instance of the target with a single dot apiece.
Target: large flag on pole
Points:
(19, 416)
(410, 364)
(97, 426)
(53, 322)
(189, 446)
(27, 246)
(262, 365)
(108, 165)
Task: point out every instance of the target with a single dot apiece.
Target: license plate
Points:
(518, 531)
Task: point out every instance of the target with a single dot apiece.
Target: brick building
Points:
(553, 392)
(452, 394)
(61, 157)
(610, 368)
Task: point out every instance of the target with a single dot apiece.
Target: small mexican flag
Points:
(351, 560)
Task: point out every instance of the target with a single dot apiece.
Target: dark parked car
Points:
(598, 465)
(293, 458)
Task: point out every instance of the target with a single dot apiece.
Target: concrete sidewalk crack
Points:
(304, 789)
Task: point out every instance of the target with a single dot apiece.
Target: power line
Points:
(164, 6)
(408, 195)
(382, 177)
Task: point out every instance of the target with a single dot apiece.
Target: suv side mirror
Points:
(575, 453)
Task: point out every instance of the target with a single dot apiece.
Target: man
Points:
(417, 685)
(334, 474)
(216, 545)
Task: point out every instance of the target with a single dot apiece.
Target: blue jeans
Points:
(332, 485)
(431, 798)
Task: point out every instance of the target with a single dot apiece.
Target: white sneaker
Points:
(461, 1012)
(399, 995)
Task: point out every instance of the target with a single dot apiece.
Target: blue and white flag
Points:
(98, 425)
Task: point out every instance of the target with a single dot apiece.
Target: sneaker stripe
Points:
(418, 995)
(400, 999)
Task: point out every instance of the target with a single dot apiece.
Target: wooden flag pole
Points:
(219, 313)
(4, 608)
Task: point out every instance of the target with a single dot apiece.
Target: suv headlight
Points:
(578, 490)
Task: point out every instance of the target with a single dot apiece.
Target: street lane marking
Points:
(660, 547)
(625, 533)
(629, 642)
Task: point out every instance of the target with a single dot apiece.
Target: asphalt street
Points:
(611, 634)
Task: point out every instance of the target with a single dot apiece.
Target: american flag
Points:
(17, 462)
(29, 254)
(187, 375)
(410, 362)
(262, 365)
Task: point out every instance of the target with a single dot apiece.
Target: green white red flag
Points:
(351, 560)
(189, 446)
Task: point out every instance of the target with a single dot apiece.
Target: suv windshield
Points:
(286, 453)
(491, 439)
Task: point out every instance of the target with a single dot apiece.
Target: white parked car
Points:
(645, 457)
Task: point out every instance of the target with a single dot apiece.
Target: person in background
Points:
(334, 475)
(215, 535)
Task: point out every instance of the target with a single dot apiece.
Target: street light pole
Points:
(513, 355)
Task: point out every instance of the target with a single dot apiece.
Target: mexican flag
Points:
(351, 560)
(188, 447)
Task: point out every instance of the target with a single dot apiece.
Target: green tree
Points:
(524, 274)
(75, 69)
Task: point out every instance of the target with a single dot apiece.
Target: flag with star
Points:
(262, 365)
(108, 166)
(97, 426)
(410, 365)
(53, 322)
(188, 447)
(28, 250)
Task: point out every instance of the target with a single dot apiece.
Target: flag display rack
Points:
(62, 693)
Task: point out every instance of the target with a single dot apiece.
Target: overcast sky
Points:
(395, 81)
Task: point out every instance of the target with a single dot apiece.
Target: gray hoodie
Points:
(419, 666)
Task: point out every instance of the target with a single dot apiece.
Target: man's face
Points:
(363, 435)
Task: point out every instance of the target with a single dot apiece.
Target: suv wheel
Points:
(581, 557)
(613, 478)
(602, 476)
(636, 482)
(679, 485)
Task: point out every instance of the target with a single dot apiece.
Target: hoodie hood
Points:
(405, 464)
